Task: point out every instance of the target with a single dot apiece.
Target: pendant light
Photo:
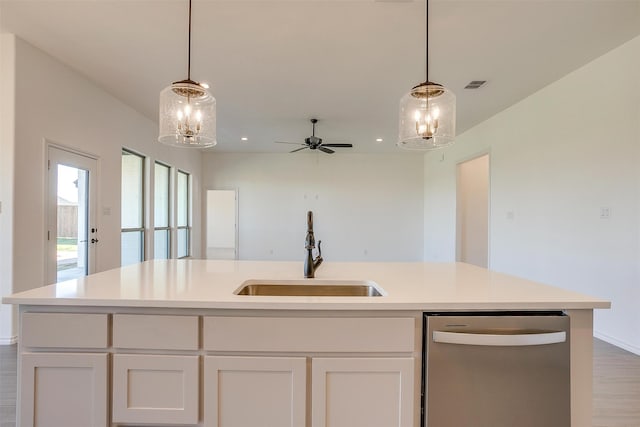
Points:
(428, 111)
(187, 111)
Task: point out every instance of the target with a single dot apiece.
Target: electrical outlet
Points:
(605, 213)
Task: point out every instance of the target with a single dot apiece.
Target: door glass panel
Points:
(72, 218)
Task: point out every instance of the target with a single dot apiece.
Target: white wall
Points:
(55, 103)
(366, 207)
(557, 158)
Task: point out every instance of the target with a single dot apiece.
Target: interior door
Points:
(72, 233)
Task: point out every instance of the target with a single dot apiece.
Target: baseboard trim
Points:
(8, 340)
(614, 341)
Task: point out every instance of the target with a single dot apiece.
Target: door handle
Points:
(500, 340)
(94, 240)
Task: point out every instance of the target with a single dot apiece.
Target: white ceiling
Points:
(272, 65)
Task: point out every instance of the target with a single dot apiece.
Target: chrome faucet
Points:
(310, 264)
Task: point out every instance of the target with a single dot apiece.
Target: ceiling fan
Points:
(315, 143)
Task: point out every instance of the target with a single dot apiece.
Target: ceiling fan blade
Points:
(298, 149)
(326, 150)
(285, 142)
(338, 145)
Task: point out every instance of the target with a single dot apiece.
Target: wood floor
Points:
(616, 386)
(8, 385)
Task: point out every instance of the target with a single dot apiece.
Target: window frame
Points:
(186, 227)
(167, 228)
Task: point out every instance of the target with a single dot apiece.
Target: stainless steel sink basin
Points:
(310, 288)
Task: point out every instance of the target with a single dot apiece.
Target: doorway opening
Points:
(472, 212)
(71, 226)
(222, 224)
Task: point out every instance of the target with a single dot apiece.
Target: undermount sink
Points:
(310, 288)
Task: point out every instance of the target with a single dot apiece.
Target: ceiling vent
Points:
(475, 84)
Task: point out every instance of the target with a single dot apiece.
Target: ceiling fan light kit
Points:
(428, 111)
(187, 111)
(315, 143)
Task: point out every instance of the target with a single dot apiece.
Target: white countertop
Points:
(211, 284)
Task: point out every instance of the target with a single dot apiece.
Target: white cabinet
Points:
(362, 392)
(152, 388)
(254, 391)
(155, 389)
(63, 389)
(63, 370)
(207, 368)
(362, 371)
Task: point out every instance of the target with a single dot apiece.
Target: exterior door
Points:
(72, 232)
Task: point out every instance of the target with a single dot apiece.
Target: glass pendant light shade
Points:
(187, 115)
(427, 117)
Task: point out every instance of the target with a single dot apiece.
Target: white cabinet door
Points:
(155, 389)
(59, 389)
(362, 392)
(255, 391)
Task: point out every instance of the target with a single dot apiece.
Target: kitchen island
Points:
(171, 343)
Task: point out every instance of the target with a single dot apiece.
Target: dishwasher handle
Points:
(499, 340)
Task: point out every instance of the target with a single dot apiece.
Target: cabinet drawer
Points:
(155, 389)
(308, 334)
(58, 330)
(138, 331)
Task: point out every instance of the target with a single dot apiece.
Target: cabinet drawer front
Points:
(64, 330)
(141, 331)
(155, 389)
(326, 334)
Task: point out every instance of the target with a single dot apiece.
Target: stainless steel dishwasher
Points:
(504, 369)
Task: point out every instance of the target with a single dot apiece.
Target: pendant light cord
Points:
(189, 58)
(426, 40)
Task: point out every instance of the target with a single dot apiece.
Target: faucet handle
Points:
(319, 249)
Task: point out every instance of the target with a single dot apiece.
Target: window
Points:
(183, 222)
(132, 211)
(161, 197)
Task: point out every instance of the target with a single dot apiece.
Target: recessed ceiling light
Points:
(378, 139)
(244, 138)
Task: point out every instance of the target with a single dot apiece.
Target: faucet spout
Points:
(311, 264)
